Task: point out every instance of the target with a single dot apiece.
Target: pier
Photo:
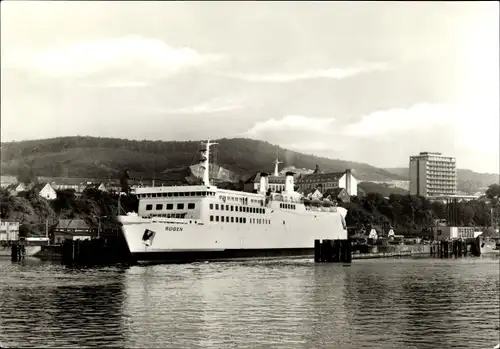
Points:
(456, 248)
(332, 251)
(95, 252)
(18, 252)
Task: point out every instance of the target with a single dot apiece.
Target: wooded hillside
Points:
(93, 157)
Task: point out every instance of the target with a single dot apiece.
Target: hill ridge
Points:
(105, 157)
(86, 156)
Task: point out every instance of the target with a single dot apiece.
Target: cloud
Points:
(472, 126)
(117, 84)
(400, 120)
(85, 58)
(215, 105)
(291, 122)
(333, 73)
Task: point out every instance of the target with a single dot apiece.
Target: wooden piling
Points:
(332, 251)
(458, 248)
(106, 251)
(317, 251)
(336, 250)
(346, 253)
(14, 253)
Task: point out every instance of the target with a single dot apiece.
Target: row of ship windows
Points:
(180, 206)
(287, 206)
(239, 220)
(176, 194)
(239, 199)
(237, 208)
(167, 215)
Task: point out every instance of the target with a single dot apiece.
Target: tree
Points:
(26, 174)
(493, 192)
(64, 201)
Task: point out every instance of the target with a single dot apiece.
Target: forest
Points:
(406, 214)
(92, 157)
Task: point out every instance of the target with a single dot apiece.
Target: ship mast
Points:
(204, 161)
(276, 163)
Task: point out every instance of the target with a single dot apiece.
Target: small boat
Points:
(497, 346)
(488, 246)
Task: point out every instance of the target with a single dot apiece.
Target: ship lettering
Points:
(173, 228)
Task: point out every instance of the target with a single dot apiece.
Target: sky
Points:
(372, 82)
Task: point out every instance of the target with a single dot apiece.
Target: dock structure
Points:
(332, 251)
(17, 252)
(94, 252)
(456, 248)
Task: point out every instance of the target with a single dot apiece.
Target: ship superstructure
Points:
(203, 222)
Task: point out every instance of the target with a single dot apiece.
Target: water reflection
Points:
(162, 306)
(390, 304)
(327, 311)
(48, 306)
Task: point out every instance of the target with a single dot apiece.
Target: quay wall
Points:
(390, 251)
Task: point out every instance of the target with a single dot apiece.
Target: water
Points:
(390, 304)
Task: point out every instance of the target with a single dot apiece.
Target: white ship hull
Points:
(212, 223)
(177, 240)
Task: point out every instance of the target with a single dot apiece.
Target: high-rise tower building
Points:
(433, 175)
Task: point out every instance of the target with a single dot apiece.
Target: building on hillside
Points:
(95, 186)
(9, 230)
(76, 184)
(313, 194)
(113, 187)
(337, 194)
(326, 181)
(5, 181)
(405, 185)
(44, 190)
(16, 188)
(74, 229)
(433, 175)
(274, 182)
(447, 198)
(452, 233)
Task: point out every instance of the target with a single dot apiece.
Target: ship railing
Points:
(290, 200)
(321, 208)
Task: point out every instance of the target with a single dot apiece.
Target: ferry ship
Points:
(192, 223)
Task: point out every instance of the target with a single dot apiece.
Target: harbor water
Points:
(375, 303)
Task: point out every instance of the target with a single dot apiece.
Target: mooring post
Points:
(342, 251)
(324, 251)
(335, 253)
(345, 255)
(13, 253)
(349, 251)
(327, 248)
(317, 251)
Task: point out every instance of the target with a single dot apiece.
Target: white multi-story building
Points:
(433, 175)
(9, 230)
